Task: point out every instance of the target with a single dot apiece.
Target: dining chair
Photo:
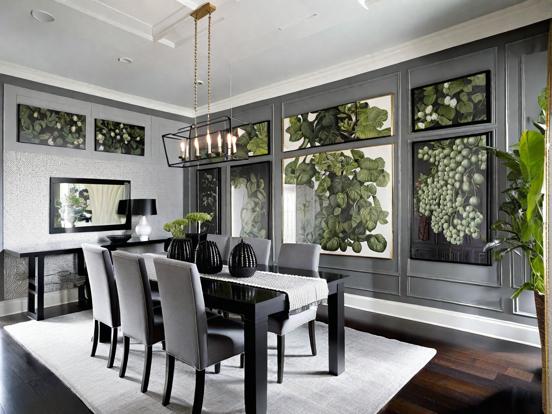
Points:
(105, 304)
(138, 319)
(222, 243)
(189, 336)
(261, 247)
(295, 256)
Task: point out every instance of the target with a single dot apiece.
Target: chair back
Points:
(105, 304)
(134, 296)
(184, 315)
(299, 256)
(222, 243)
(260, 246)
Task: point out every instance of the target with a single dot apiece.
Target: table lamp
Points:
(143, 207)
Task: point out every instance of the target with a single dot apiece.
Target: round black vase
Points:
(208, 259)
(181, 249)
(243, 261)
(196, 238)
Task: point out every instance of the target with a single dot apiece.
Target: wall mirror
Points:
(88, 204)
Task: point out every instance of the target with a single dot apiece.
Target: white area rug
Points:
(376, 369)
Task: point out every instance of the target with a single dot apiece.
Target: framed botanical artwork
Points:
(44, 126)
(365, 119)
(250, 200)
(451, 200)
(455, 102)
(342, 200)
(120, 138)
(208, 197)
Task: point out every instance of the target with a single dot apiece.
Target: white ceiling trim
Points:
(523, 14)
(24, 72)
(514, 17)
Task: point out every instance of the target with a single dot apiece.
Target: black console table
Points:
(37, 253)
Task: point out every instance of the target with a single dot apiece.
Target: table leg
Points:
(40, 289)
(336, 331)
(31, 287)
(256, 366)
(105, 333)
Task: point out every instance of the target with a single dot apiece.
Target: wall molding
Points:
(511, 18)
(479, 325)
(19, 305)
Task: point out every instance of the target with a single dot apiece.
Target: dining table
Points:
(256, 305)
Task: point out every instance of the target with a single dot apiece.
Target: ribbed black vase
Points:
(243, 261)
(181, 249)
(208, 259)
(196, 238)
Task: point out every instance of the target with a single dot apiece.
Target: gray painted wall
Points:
(27, 168)
(515, 60)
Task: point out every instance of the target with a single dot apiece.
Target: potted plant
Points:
(197, 217)
(180, 248)
(523, 206)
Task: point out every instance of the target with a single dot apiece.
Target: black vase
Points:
(243, 261)
(181, 249)
(208, 259)
(196, 238)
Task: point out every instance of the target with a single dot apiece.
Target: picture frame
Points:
(208, 200)
(432, 222)
(452, 102)
(119, 137)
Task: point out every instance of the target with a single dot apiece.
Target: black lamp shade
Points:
(144, 207)
(123, 207)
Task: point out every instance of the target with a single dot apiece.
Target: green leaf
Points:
(370, 122)
(376, 242)
(531, 154)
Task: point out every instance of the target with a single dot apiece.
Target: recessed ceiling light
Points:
(199, 82)
(363, 3)
(125, 59)
(42, 16)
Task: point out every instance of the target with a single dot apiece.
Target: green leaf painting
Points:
(451, 193)
(342, 200)
(460, 101)
(120, 138)
(49, 127)
(250, 200)
(208, 197)
(369, 118)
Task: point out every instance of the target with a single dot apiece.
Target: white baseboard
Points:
(19, 305)
(480, 325)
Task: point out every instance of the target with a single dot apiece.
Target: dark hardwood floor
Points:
(469, 374)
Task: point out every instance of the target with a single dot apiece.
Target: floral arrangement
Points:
(177, 228)
(198, 217)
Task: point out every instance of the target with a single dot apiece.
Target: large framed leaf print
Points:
(451, 200)
(120, 138)
(208, 197)
(455, 102)
(342, 200)
(250, 200)
(364, 119)
(44, 126)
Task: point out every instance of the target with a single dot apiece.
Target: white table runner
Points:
(302, 291)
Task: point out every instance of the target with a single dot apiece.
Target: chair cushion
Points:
(224, 340)
(282, 326)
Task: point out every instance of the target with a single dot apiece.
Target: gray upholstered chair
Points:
(295, 256)
(138, 320)
(222, 243)
(260, 246)
(105, 304)
(189, 336)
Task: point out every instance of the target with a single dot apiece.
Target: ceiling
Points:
(256, 43)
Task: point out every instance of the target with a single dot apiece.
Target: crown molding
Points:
(511, 18)
(51, 79)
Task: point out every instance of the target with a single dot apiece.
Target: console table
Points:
(36, 254)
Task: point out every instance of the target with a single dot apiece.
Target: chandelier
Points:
(210, 140)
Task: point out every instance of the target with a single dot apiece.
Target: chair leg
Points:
(147, 368)
(164, 345)
(95, 338)
(126, 346)
(281, 345)
(199, 390)
(217, 368)
(113, 349)
(242, 360)
(312, 337)
(169, 374)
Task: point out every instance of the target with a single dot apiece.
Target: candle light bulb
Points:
(219, 142)
(229, 142)
(208, 139)
(196, 145)
(234, 140)
(182, 150)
